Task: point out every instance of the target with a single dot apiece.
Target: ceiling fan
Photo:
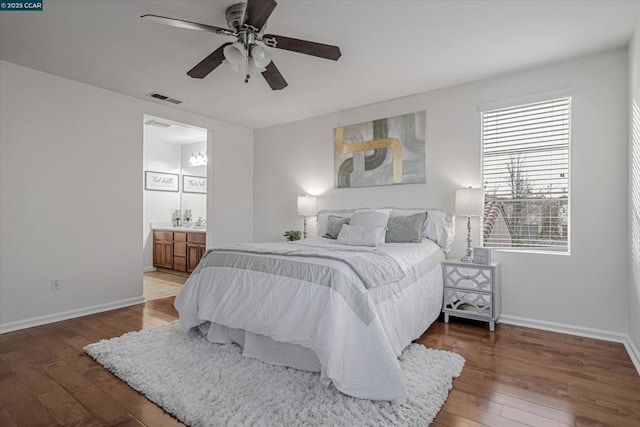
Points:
(247, 23)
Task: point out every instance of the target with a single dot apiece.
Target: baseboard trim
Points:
(149, 269)
(633, 351)
(580, 331)
(65, 315)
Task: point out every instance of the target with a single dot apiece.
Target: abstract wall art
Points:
(387, 151)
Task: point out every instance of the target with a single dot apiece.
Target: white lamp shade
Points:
(234, 67)
(261, 56)
(234, 53)
(254, 68)
(306, 205)
(470, 201)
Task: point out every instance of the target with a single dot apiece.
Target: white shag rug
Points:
(205, 384)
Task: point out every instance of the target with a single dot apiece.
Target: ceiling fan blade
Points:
(187, 24)
(320, 50)
(257, 12)
(272, 75)
(208, 64)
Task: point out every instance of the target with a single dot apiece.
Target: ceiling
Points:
(175, 133)
(389, 48)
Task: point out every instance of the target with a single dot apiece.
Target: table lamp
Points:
(469, 202)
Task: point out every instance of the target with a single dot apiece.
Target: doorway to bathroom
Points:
(174, 203)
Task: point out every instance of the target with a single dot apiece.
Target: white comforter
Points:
(356, 333)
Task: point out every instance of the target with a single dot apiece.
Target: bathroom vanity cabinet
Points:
(178, 249)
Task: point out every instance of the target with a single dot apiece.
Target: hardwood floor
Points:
(157, 284)
(513, 377)
(520, 376)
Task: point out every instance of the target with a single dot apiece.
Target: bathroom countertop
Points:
(168, 227)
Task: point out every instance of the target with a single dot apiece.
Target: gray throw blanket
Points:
(373, 267)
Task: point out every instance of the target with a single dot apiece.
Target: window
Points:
(525, 172)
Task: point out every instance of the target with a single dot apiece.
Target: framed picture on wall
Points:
(388, 151)
(194, 184)
(161, 181)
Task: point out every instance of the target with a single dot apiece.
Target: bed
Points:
(346, 311)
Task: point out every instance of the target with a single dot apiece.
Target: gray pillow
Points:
(334, 225)
(405, 229)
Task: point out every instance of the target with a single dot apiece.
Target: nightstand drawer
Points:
(468, 302)
(472, 277)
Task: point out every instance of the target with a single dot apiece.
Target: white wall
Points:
(157, 205)
(588, 288)
(634, 188)
(71, 199)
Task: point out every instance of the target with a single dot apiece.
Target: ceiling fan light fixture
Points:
(235, 53)
(253, 67)
(234, 67)
(247, 22)
(261, 56)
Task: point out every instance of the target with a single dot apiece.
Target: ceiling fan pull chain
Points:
(246, 68)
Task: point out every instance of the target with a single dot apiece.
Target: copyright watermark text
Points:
(15, 6)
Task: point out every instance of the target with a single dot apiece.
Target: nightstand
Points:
(471, 291)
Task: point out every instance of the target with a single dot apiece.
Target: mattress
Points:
(302, 305)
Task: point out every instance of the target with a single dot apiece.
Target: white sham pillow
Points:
(354, 235)
(370, 218)
(440, 227)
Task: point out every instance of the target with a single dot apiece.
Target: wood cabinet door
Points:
(201, 250)
(192, 256)
(167, 249)
(158, 254)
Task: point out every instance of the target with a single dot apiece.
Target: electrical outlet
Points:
(56, 284)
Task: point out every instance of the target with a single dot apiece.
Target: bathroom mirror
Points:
(193, 180)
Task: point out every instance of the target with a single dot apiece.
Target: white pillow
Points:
(354, 235)
(441, 228)
(370, 218)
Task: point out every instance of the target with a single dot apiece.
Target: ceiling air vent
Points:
(164, 98)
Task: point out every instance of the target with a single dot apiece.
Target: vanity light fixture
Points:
(199, 160)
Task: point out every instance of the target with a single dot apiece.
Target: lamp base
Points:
(469, 255)
(304, 233)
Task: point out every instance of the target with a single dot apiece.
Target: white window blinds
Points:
(525, 171)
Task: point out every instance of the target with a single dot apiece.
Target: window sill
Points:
(530, 251)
